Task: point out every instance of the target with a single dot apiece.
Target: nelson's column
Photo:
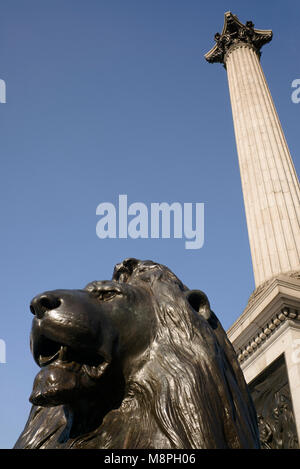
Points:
(266, 336)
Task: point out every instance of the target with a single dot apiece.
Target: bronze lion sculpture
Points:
(137, 362)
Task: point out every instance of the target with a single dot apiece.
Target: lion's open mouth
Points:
(61, 355)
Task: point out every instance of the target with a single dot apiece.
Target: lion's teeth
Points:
(93, 371)
(46, 360)
(63, 352)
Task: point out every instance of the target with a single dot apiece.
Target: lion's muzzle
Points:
(78, 336)
(72, 341)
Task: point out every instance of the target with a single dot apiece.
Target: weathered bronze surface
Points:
(139, 361)
(271, 395)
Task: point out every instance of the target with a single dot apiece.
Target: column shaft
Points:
(269, 181)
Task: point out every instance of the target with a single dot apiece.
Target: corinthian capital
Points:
(234, 34)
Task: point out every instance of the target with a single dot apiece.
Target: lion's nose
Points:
(43, 303)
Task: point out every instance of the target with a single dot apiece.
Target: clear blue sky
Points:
(115, 97)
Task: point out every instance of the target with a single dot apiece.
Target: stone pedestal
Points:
(269, 328)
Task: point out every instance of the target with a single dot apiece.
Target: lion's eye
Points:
(107, 295)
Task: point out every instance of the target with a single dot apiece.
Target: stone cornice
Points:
(265, 333)
(233, 35)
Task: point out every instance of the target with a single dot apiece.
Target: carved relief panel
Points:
(272, 399)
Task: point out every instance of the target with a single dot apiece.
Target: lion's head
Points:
(139, 361)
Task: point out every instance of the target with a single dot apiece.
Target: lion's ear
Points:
(199, 302)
